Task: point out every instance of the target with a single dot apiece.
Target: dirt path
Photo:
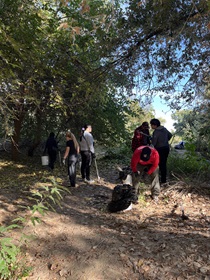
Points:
(82, 241)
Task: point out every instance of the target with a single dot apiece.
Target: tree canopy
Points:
(65, 63)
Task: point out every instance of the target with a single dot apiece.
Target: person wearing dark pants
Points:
(163, 153)
(160, 139)
(51, 148)
(85, 166)
(87, 152)
(144, 165)
(71, 152)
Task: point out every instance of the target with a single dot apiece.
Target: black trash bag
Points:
(122, 197)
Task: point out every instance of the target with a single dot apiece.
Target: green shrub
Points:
(120, 154)
(12, 261)
(189, 164)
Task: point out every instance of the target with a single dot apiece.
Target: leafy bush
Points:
(190, 163)
(12, 262)
(121, 154)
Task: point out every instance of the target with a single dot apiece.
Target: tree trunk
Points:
(16, 137)
(37, 138)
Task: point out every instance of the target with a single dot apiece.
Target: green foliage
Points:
(168, 43)
(193, 125)
(137, 115)
(12, 266)
(63, 63)
(142, 197)
(190, 165)
(12, 261)
(121, 155)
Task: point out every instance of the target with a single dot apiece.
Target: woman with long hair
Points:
(71, 153)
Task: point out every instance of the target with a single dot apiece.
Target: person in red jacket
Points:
(144, 165)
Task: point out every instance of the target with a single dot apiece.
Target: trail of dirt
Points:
(82, 241)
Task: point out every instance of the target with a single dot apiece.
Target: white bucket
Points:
(45, 160)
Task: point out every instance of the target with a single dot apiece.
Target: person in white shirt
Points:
(87, 152)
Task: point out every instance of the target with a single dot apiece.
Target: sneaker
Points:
(89, 181)
(155, 198)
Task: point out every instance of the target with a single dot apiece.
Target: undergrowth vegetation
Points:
(42, 191)
(185, 164)
(189, 165)
(121, 155)
(41, 195)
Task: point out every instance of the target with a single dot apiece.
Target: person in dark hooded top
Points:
(160, 139)
(141, 136)
(51, 148)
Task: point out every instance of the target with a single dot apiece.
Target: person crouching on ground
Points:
(71, 152)
(144, 165)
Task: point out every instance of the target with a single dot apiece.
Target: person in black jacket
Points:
(160, 138)
(51, 148)
(71, 154)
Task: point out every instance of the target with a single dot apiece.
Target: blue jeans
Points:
(72, 161)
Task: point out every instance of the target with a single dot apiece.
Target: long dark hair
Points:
(71, 135)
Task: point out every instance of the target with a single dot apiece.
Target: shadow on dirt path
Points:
(83, 241)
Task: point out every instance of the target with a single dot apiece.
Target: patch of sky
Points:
(163, 111)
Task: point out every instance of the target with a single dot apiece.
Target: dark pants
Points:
(163, 154)
(52, 159)
(86, 163)
(72, 161)
(152, 180)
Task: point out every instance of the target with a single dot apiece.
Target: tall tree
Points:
(165, 44)
(74, 59)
